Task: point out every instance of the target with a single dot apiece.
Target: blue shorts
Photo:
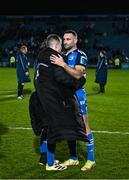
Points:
(81, 97)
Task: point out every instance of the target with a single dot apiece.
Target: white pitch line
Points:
(100, 132)
(19, 128)
(109, 132)
(8, 90)
(10, 95)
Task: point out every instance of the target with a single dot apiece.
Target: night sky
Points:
(50, 7)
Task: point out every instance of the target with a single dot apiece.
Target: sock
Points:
(72, 150)
(43, 147)
(43, 152)
(90, 147)
(51, 154)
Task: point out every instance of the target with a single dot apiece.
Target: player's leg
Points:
(51, 165)
(90, 163)
(43, 147)
(81, 97)
(73, 161)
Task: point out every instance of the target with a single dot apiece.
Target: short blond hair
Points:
(52, 38)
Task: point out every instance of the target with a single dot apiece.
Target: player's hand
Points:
(58, 60)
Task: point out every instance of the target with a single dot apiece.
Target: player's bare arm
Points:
(77, 73)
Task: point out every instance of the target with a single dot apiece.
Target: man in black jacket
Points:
(55, 90)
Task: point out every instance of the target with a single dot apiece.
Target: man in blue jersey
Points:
(22, 70)
(74, 63)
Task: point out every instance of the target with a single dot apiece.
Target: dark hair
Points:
(51, 38)
(71, 31)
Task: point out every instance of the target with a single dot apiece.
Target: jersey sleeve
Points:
(82, 59)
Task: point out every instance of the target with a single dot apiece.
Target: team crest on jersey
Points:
(83, 57)
(73, 56)
(83, 60)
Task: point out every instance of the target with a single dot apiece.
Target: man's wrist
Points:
(64, 65)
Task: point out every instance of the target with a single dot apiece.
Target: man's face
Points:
(101, 54)
(24, 50)
(69, 41)
(59, 47)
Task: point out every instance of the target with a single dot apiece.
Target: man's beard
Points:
(67, 48)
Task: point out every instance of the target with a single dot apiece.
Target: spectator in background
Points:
(101, 70)
(22, 70)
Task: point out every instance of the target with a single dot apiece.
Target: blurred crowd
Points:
(92, 37)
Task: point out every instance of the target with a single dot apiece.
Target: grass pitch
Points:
(108, 118)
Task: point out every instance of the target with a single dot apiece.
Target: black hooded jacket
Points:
(55, 90)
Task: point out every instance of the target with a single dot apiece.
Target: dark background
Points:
(56, 7)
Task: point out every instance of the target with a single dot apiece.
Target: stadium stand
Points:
(95, 32)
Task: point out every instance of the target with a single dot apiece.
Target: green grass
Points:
(19, 148)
